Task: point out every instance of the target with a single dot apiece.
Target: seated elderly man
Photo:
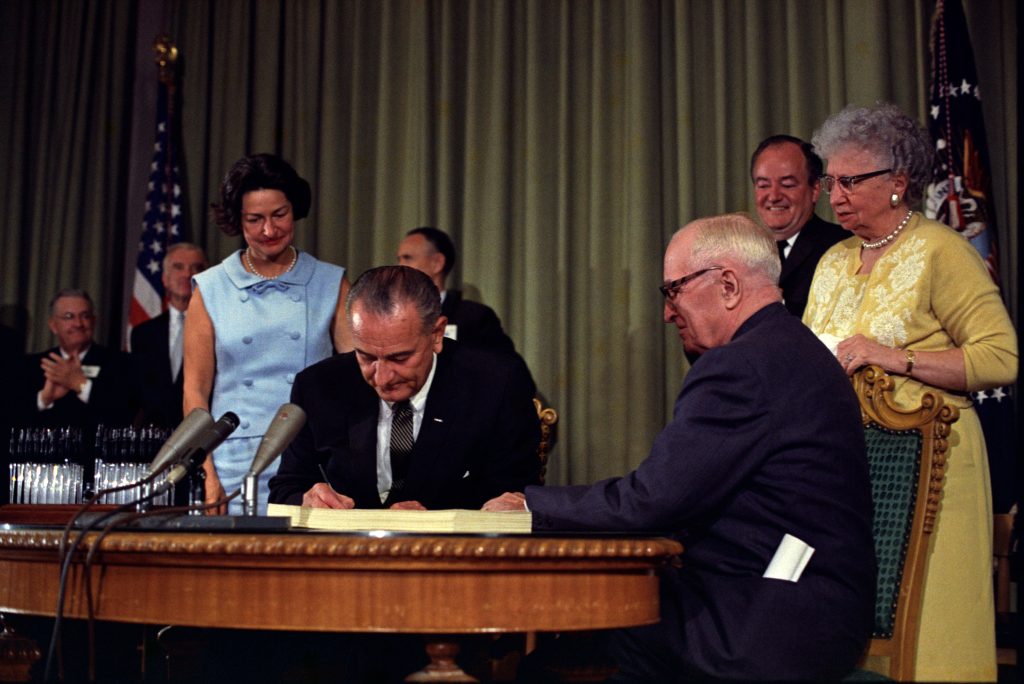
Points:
(79, 383)
(764, 454)
(409, 419)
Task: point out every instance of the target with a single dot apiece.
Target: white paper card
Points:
(451, 331)
(830, 341)
(789, 560)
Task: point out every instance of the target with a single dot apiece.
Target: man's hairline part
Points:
(185, 246)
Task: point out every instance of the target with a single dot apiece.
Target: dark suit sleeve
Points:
(490, 333)
(511, 461)
(696, 462)
(114, 395)
(299, 469)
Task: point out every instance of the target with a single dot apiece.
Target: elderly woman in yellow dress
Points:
(913, 296)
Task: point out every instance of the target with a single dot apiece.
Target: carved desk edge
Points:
(413, 547)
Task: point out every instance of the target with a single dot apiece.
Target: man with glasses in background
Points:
(763, 458)
(78, 383)
(785, 171)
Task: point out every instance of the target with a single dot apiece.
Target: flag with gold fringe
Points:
(162, 220)
(960, 195)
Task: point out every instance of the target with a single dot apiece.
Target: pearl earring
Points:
(894, 199)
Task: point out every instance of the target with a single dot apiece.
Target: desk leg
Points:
(442, 667)
(17, 654)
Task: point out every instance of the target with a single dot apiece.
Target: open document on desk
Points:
(365, 519)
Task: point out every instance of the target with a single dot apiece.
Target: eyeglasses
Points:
(84, 316)
(847, 182)
(670, 288)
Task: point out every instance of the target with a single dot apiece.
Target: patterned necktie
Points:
(176, 343)
(401, 443)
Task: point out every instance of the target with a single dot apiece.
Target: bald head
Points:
(718, 271)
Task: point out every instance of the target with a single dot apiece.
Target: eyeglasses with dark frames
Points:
(847, 183)
(669, 289)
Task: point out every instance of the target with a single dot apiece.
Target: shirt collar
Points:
(418, 401)
(64, 355)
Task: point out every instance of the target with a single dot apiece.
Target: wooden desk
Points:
(307, 581)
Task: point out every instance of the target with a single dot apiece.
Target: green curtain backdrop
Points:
(559, 142)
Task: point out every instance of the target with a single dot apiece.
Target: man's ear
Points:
(437, 334)
(815, 190)
(731, 288)
(436, 264)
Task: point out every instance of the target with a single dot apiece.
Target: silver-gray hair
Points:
(73, 293)
(178, 246)
(383, 290)
(887, 133)
(736, 237)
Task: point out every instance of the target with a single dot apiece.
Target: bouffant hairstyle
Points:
(259, 172)
(894, 139)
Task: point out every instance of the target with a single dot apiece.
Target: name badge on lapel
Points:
(91, 372)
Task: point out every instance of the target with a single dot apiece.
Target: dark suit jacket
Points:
(812, 241)
(160, 396)
(111, 400)
(478, 437)
(478, 325)
(766, 440)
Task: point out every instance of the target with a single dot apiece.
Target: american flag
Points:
(161, 224)
(960, 195)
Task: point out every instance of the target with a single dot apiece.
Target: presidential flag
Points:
(161, 223)
(960, 195)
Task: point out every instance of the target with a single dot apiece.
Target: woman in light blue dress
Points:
(259, 317)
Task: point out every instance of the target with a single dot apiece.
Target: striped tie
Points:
(401, 444)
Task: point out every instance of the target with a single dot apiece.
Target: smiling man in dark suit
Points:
(764, 455)
(786, 171)
(78, 383)
(157, 343)
(409, 419)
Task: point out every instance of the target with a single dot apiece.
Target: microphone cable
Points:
(66, 553)
(95, 546)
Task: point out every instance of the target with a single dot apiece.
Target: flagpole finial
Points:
(166, 57)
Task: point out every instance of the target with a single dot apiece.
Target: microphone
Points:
(282, 430)
(195, 424)
(196, 451)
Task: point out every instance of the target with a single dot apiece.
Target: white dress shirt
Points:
(418, 402)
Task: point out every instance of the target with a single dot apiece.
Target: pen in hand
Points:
(342, 501)
(326, 481)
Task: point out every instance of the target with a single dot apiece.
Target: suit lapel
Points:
(429, 451)
(802, 249)
(362, 440)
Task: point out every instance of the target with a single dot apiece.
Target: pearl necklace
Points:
(252, 267)
(882, 242)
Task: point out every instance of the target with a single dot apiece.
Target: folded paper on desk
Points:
(364, 519)
(789, 560)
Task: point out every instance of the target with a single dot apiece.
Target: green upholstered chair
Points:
(906, 451)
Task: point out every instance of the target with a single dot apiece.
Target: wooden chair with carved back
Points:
(548, 417)
(906, 451)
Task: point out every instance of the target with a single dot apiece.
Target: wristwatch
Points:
(910, 361)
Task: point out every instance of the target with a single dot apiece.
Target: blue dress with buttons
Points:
(265, 332)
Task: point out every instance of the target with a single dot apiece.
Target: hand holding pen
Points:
(323, 495)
